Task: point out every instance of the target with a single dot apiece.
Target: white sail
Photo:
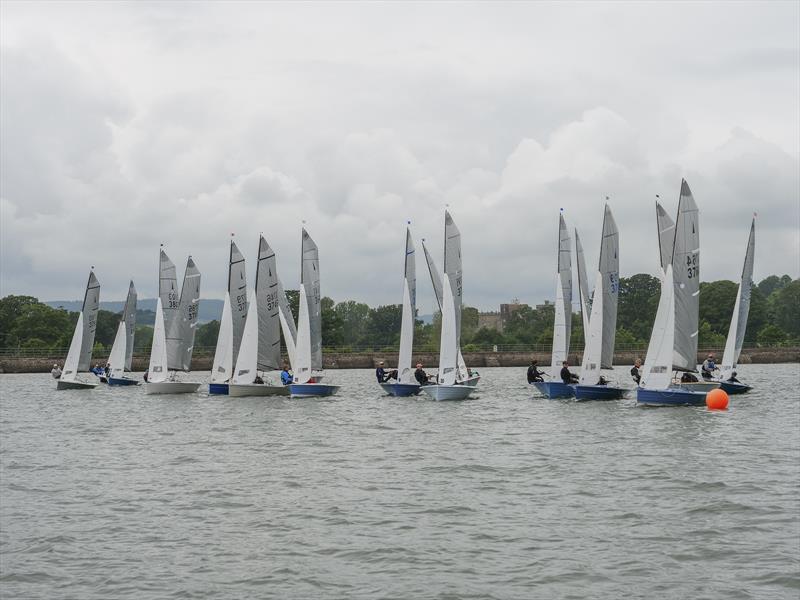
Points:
(686, 273)
(309, 279)
(129, 318)
(404, 370)
(563, 308)
(268, 297)
(288, 328)
(157, 370)
(741, 310)
(237, 289)
(302, 362)
(666, 236)
(436, 281)
(116, 359)
(657, 370)
(190, 300)
(247, 363)
(448, 343)
(91, 304)
(223, 355)
(608, 268)
(453, 268)
(74, 354)
(583, 284)
(171, 302)
(590, 366)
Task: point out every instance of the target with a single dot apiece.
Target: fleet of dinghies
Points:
(248, 352)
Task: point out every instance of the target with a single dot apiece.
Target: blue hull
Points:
(401, 389)
(729, 387)
(554, 389)
(121, 381)
(218, 389)
(670, 397)
(312, 389)
(598, 392)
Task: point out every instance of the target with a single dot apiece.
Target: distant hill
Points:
(210, 310)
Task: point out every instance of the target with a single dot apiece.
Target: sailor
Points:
(107, 370)
(732, 378)
(688, 378)
(602, 381)
(286, 376)
(144, 377)
(97, 370)
(421, 376)
(534, 374)
(381, 373)
(56, 372)
(566, 375)
(708, 367)
(258, 380)
(636, 370)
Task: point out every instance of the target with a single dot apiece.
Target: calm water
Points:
(112, 493)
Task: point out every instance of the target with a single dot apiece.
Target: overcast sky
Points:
(127, 125)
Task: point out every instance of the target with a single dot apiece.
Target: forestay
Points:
(741, 310)
(686, 273)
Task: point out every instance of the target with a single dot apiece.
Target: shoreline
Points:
(430, 360)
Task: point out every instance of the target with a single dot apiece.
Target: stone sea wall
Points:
(370, 360)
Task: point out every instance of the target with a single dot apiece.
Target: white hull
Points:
(448, 392)
(471, 382)
(256, 389)
(171, 387)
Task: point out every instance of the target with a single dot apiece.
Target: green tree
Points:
(383, 325)
(716, 304)
(708, 338)
(757, 317)
(143, 339)
(332, 324)
(53, 326)
(107, 325)
(786, 308)
(771, 335)
(773, 283)
(11, 307)
(353, 316)
(469, 321)
(638, 301)
(206, 335)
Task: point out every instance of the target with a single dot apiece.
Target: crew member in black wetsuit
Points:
(421, 376)
(636, 370)
(568, 376)
(382, 375)
(534, 374)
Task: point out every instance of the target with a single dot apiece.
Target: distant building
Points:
(547, 304)
(497, 320)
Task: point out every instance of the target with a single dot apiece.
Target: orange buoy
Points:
(717, 399)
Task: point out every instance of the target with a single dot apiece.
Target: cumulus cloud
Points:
(129, 127)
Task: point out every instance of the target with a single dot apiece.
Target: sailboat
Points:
(231, 325)
(741, 310)
(79, 356)
(464, 374)
(406, 384)
(261, 341)
(173, 334)
(121, 355)
(562, 325)
(448, 386)
(600, 331)
(656, 386)
(308, 347)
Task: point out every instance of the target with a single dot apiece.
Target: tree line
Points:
(774, 319)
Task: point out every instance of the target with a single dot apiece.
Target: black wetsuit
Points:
(382, 375)
(534, 374)
(566, 376)
(421, 376)
(637, 377)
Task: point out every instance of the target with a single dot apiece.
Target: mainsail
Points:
(452, 270)
(666, 236)
(583, 285)
(91, 304)
(599, 350)
(171, 304)
(190, 300)
(686, 273)
(405, 372)
(129, 318)
(741, 310)
(563, 308)
(268, 293)
(237, 289)
(309, 280)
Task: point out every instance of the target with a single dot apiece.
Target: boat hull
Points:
(731, 387)
(239, 390)
(64, 384)
(670, 397)
(448, 392)
(401, 389)
(554, 389)
(122, 381)
(218, 389)
(171, 387)
(696, 386)
(598, 392)
(471, 382)
(311, 390)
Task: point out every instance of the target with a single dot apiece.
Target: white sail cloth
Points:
(741, 310)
